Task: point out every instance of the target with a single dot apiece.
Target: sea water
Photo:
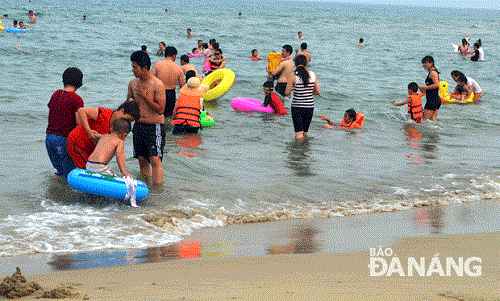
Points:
(248, 167)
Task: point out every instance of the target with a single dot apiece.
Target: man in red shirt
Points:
(62, 108)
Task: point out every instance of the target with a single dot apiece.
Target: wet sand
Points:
(316, 260)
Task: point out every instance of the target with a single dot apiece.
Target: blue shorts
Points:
(58, 154)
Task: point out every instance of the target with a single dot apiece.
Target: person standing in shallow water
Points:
(431, 89)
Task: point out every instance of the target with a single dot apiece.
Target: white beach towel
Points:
(130, 191)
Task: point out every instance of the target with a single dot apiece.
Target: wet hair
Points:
(413, 86)
(215, 45)
(200, 41)
(303, 46)
(163, 43)
(351, 113)
(460, 89)
(30, 11)
(268, 85)
(479, 42)
(142, 59)
(253, 50)
(170, 51)
(131, 108)
(144, 47)
(300, 70)
(188, 29)
(194, 49)
(72, 77)
(211, 41)
(219, 50)
(456, 73)
(189, 74)
(464, 42)
(299, 32)
(185, 58)
(477, 45)
(288, 48)
(361, 40)
(122, 126)
(15, 22)
(205, 45)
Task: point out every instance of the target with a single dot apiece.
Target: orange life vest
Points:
(360, 118)
(415, 107)
(188, 110)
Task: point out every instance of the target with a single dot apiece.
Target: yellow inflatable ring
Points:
(219, 81)
(446, 97)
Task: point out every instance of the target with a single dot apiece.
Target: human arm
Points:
(401, 103)
(222, 64)
(82, 117)
(316, 90)
(279, 69)
(120, 158)
(289, 85)
(267, 100)
(322, 117)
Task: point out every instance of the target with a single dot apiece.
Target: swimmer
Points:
(361, 42)
(144, 48)
(464, 48)
(32, 17)
(303, 51)
(475, 55)
(5, 15)
(189, 34)
(347, 123)
(166, 10)
(299, 35)
(84, 17)
(255, 56)
(471, 84)
(194, 51)
(161, 49)
(239, 15)
(21, 25)
(200, 46)
(14, 24)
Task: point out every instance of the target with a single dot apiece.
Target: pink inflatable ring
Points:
(246, 104)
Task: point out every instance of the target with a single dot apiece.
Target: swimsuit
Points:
(433, 101)
(99, 167)
(149, 139)
(169, 102)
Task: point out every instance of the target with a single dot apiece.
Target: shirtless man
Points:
(189, 33)
(186, 66)
(303, 51)
(149, 131)
(284, 71)
(170, 74)
(32, 17)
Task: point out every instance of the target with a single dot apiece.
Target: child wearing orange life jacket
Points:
(187, 109)
(272, 99)
(352, 120)
(414, 102)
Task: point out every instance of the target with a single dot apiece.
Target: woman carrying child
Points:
(471, 85)
(304, 85)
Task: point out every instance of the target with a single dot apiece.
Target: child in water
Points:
(110, 145)
(475, 55)
(352, 120)
(414, 101)
(255, 55)
(462, 91)
(272, 99)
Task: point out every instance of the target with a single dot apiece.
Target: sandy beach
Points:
(295, 276)
(336, 264)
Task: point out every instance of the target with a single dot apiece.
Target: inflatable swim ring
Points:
(246, 104)
(15, 30)
(274, 59)
(1, 28)
(194, 54)
(219, 81)
(104, 185)
(446, 97)
(206, 120)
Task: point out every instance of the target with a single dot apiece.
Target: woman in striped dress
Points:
(304, 85)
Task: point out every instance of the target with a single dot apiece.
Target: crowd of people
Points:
(86, 137)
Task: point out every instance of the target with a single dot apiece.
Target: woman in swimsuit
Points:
(431, 89)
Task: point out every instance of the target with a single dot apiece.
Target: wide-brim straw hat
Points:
(194, 87)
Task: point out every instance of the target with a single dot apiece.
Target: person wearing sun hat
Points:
(187, 109)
